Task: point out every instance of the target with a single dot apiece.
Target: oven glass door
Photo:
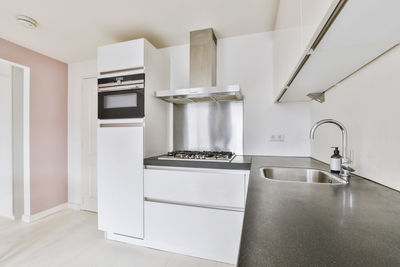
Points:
(121, 104)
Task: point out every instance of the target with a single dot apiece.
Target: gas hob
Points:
(215, 156)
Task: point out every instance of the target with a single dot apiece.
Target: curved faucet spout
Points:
(337, 123)
(346, 159)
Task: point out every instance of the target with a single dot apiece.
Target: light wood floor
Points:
(70, 238)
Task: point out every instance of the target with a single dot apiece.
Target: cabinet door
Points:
(120, 179)
(297, 24)
(312, 14)
(200, 232)
(121, 56)
(287, 42)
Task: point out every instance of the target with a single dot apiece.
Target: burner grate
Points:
(199, 155)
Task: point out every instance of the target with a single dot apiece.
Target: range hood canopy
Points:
(203, 68)
(201, 94)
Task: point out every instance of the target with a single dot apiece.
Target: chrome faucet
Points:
(345, 170)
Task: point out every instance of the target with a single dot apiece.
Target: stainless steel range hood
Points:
(201, 94)
(203, 67)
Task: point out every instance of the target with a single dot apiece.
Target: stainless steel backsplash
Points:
(209, 126)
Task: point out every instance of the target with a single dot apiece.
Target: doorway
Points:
(14, 140)
(89, 144)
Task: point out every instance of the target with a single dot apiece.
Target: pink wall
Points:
(48, 125)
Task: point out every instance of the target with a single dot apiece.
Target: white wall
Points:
(368, 105)
(247, 60)
(6, 172)
(76, 72)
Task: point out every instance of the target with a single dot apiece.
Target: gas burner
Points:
(217, 156)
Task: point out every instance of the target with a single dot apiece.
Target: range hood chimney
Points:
(203, 68)
(203, 58)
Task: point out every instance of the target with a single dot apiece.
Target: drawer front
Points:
(208, 189)
(200, 232)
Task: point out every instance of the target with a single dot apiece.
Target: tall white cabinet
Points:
(121, 185)
(124, 143)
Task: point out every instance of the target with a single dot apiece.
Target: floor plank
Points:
(70, 238)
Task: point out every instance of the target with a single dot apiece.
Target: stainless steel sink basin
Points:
(300, 175)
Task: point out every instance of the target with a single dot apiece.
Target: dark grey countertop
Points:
(300, 224)
(238, 163)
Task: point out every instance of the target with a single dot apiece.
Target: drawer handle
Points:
(113, 125)
(193, 204)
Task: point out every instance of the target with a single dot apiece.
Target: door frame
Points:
(81, 137)
(26, 138)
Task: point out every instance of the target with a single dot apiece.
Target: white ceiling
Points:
(71, 30)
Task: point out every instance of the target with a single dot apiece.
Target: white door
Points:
(89, 144)
(120, 172)
(6, 167)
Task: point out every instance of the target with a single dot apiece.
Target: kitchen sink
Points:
(304, 175)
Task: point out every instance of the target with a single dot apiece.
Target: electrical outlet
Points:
(277, 138)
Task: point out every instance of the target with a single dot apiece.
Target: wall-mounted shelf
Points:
(359, 32)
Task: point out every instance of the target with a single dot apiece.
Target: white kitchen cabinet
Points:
(212, 189)
(122, 56)
(296, 24)
(361, 32)
(313, 16)
(120, 178)
(200, 232)
(287, 40)
(195, 211)
(124, 143)
(140, 56)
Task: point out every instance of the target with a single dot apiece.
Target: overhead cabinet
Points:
(296, 24)
(124, 56)
(348, 35)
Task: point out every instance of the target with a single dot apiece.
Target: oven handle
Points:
(120, 88)
(112, 125)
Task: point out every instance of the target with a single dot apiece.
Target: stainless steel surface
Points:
(201, 94)
(165, 157)
(300, 175)
(210, 156)
(193, 204)
(346, 170)
(213, 126)
(103, 125)
(319, 97)
(119, 82)
(121, 87)
(120, 71)
(203, 54)
(203, 58)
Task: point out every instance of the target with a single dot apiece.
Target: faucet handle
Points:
(347, 168)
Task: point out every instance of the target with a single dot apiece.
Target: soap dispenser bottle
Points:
(336, 161)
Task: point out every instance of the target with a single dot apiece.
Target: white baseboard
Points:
(74, 206)
(8, 217)
(42, 214)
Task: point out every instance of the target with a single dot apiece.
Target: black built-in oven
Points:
(121, 97)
